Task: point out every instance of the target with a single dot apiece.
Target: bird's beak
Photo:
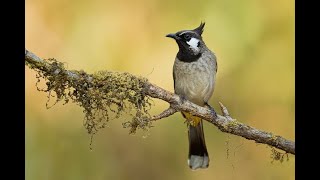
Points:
(172, 35)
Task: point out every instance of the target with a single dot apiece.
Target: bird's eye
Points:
(187, 37)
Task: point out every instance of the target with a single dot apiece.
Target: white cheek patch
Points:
(194, 43)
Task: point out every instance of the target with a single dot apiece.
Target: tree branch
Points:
(168, 112)
(224, 122)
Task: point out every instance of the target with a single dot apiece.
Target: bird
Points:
(194, 75)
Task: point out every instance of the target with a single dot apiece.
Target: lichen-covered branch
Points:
(166, 113)
(105, 92)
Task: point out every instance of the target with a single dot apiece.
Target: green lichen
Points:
(104, 95)
(232, 124)
(273, 138)
(278, 156)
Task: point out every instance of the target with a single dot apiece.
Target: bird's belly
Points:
(195, 87)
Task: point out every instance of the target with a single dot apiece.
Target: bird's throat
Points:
(187, 56)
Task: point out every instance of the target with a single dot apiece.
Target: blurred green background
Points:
(253, 41)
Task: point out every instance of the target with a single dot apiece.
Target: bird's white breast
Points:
(195, 80)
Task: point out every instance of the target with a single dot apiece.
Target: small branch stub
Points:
(224, 110)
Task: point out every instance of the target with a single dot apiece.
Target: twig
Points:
(164, 114)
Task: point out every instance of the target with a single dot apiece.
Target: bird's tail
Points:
(198, 154)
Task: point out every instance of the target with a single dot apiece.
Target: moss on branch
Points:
(103, 95)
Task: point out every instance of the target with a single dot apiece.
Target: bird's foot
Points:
(182, 98)
(213, 112)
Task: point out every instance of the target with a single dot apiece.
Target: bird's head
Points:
(189, 41)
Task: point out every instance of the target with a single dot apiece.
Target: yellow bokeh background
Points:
(253, 41)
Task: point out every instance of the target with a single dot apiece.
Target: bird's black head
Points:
(190, 43)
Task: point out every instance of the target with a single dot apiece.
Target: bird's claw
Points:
(182, 98)
(213, 112)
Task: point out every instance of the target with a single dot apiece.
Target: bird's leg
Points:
(187, 116)
(211, 109)
(182, 98)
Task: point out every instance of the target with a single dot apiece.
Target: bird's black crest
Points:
(199, 29)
